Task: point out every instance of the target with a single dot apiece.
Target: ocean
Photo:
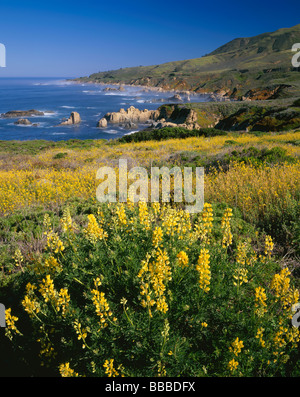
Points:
(57, 98)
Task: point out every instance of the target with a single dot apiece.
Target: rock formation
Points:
(131, 115)
(73, 119)
(23, 122)
(175, 98)
(130, 118)
(102, 123)
(21, 113)
(121, 88)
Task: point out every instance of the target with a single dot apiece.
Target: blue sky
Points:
(77, 38)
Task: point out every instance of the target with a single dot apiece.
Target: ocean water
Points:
(57, 98)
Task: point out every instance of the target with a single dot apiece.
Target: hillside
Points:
(258, 67)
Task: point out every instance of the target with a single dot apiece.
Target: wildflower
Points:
(161, 369)
(102, 307)
(260, 301)
(47, 349)
(47, 222)
(66, 371)
(31, 305)
(259, 335)
(170, 221)
(54, 242)
(280, 284)
(156, 208)
(93, 231)
(204, 324)
(226, 228)
(240, 275)
(183, 259)
(10, 321)
(121, 214)
(268, 246)
(66, 221)
(63, 301)
(47, 289)
(154, 277)
(18, 257)
(109, 368)
(236, 346)
(157, 237)
(144, 215)
(204, 227)
(52, 265)
(204, 270)
(81, 332)
(233, 364)
(241, 253)
(160, 274)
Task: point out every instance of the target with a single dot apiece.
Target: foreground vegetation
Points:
(166, 293)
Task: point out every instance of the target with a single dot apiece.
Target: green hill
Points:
(258, 67)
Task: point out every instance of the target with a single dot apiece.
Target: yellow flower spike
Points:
(157, 237)
(203, 269)
(226, 228)
(93, 231)
(121, 214)
(268, 246)
(232, 365)
(109, 368)
(236, 346)
(183, 259)
(66, 371)
(260, 301)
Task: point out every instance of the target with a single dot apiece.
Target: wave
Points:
(68, 107)
(131, 132)
(49, 114)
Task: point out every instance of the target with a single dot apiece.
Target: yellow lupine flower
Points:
(203, 269)
(93, 231)
(268, 246)
(260, 301)
(109, 368)
(157, 237)
(232, 365)
(236, 346)
(226, 228)
(66, 371)
(121, 214)
(183, 259)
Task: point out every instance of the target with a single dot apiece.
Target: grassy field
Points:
(166, 293)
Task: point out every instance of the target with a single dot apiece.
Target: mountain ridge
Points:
(244, 68)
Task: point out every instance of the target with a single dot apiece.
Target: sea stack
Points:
(73, 119)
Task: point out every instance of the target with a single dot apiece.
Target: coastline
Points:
(212, 95)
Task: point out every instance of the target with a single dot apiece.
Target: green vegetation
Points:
(169, 133)
(258, 67)
(146, 291)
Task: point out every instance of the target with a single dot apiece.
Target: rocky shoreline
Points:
(220, 95)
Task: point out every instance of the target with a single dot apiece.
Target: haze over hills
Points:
(258, 67)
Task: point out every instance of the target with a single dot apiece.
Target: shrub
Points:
(149, 290)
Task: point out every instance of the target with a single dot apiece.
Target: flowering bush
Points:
(150, 290)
